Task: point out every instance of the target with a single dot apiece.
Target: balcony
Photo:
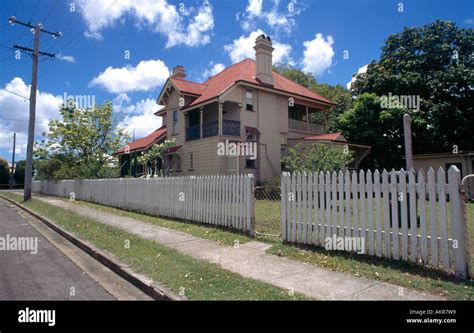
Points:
(304, 126)
(193, 133)
(210, 129)
(229, 128)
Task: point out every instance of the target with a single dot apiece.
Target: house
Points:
(128, 155)
(245, 105)
(334, 139)
(464, 161)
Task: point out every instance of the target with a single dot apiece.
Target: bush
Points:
(317, 157)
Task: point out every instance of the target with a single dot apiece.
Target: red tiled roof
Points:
(244, 70)
(327, 136)
(144, 143)
(188, 86)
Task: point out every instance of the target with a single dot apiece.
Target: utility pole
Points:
(34, 83)
(408, 144)
(12, 179)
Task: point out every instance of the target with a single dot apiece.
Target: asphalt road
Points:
(47, 275)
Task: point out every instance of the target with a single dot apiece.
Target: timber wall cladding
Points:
(399, 215)
(225, 201)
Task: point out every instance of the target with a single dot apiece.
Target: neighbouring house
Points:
(334, 139)
(464, 161)
(246, 104)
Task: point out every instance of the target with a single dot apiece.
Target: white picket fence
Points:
(398, 214)
(225, 201)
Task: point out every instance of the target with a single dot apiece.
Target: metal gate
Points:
(267, 210)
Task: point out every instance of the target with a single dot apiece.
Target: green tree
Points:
(367, 122)
(19, 174)
(154, 157)
(317, 157)
(80, 144)
(436, 63)
(4, 172)
(338, 94)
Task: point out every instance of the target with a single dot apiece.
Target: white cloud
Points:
(213, 70)
(242, 48)
(361, 70)
(147, 75)
(66, 58)
(140, 118)
(177, 24)
(278, 19)
(318, 54)
(255, 7)
(14, 113)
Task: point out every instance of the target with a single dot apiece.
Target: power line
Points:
(17, 6)
(7, 47)
(20, 120)
(34, 11)
(14, 93)
(31, 17)
(50, 11)
(75, 36)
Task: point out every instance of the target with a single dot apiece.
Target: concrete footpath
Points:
(251, 261)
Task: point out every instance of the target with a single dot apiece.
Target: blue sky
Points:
(203, 36)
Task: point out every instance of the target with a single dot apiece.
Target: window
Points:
(177, 163)
(191, 162)
(233, 165)
(175, 122)
(249, 100)
(251, 140)
(250, 163)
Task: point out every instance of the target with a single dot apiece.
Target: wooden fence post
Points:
(458, 222)
(250, 205)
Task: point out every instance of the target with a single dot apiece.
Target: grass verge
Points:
(198, 279)
(215, 233)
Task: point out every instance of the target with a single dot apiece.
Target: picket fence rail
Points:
(401, 215)
(219, 200)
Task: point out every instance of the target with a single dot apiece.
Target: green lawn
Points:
(396, 272)
(198, 279)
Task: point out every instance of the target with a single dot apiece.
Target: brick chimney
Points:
(264, 58)
(178, 73)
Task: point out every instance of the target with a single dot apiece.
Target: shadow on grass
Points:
(399, 265)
